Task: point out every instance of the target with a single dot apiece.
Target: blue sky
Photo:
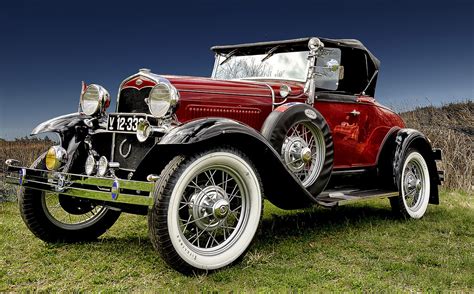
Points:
(48, 47)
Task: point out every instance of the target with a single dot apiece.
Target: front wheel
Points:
(414, 187)
(54, 217)
(207, 210)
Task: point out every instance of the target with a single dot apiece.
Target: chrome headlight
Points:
(55, 157)
(102, 166)
(95, 99)
(162, 98)
(90, 165)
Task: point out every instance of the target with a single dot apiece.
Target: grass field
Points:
(359, 247)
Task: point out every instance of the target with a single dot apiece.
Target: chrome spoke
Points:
(232, 196)
(186, 226)
(197, 219)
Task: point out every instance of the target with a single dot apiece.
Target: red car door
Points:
(359, 125)
(349, 122)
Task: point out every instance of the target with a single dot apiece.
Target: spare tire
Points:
(301, 135)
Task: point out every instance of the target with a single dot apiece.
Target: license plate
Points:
(124, 122)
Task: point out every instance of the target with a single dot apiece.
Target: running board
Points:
(332, 198)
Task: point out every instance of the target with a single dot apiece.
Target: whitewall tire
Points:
(207, 211)
(414, 186)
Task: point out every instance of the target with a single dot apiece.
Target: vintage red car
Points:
(294, 122)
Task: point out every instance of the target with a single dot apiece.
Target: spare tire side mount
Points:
(302, 137)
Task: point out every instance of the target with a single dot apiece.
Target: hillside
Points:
(451, 128)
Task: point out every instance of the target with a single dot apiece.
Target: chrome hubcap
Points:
(209, 207)
(413, 184)
(220, 208)
(306, 155)
(294, 149)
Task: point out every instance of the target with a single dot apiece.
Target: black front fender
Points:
(280, 185)
(63, 125)
(410, 138)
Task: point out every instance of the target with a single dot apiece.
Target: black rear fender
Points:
(410, 138)
(280, 186)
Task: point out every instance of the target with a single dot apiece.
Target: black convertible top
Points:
(300, 42)
(361, 66)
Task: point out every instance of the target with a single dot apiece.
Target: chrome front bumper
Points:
(109, 190)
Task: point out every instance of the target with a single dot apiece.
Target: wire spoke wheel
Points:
(414, 187)
(208, 211)
(57, 214)
(413, 184)
(211, 208)
(304, 152)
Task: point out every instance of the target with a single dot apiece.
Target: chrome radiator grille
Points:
(132, 100)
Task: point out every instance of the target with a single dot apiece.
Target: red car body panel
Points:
(358, 127)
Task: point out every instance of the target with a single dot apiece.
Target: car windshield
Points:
(284, 65)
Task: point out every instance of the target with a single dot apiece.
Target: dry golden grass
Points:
(24, 150)
(451, 128)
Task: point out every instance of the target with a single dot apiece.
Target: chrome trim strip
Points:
(223, 93)
(268, 78)
(273, 95)
(265, 43)
(216, 63)
(349, 171)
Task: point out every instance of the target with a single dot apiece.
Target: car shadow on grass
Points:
(315, 220)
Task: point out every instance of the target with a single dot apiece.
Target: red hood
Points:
(236, 87)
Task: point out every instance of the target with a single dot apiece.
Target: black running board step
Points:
(331, 198)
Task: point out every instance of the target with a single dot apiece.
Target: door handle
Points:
(354, 112)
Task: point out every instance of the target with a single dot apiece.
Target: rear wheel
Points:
(414, 187)
(54, 217)
(207, 210)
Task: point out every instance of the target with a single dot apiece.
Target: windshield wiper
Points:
(228, 56)
(270, 53)
(370, 81)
